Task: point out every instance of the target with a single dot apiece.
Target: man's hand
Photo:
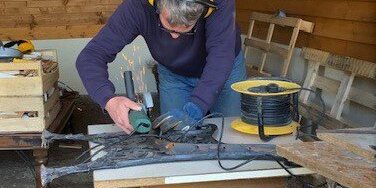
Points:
(118, 108)
(189, 116)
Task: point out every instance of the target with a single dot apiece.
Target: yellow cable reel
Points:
(268, 130)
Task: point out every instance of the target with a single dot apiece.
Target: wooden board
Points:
(335, 163)
(357, 143)
(279, 182)
(181, 172)
(342, 27)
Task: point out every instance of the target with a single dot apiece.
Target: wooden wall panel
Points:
(342, 27)
(53, 19)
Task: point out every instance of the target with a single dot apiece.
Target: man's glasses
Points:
(188, 33)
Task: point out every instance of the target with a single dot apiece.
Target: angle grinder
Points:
(138, 119)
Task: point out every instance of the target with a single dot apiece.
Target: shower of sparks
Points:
(138, 69)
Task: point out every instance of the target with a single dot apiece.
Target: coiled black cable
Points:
(276, 110)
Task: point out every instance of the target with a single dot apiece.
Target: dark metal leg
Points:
(40, 157)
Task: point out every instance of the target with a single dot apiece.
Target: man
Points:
(199, 57)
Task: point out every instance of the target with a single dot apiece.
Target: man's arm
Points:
(220, 46)
(121, 29)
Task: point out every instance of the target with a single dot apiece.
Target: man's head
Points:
(179, 16)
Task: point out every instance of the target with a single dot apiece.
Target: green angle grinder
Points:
(138, 119)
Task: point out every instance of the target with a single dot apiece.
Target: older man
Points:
(199, 56)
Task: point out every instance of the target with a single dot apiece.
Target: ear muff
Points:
(210, 6)
(25, 46)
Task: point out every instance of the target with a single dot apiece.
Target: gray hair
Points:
(181, 12)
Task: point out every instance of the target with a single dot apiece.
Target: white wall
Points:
(68, 50)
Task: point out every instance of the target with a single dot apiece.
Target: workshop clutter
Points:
(29, 94)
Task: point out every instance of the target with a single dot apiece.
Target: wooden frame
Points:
(267, 46)
(343, 89)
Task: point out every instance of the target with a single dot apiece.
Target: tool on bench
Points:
(269, 107)
(138, 119)
(8, 53)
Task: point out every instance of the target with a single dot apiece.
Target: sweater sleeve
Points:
(220, 46)
(121, 29)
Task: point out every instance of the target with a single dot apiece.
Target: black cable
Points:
(275, 109)
(66, 85)
(272, 157)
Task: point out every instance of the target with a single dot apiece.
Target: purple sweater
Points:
(209, 54)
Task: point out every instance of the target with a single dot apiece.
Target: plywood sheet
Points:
(354, 142)
(333, 162)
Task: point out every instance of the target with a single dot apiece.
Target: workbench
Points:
(197, 173)
(33, 141)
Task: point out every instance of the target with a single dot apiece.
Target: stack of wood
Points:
(29, 96)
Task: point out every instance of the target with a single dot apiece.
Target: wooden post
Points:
(40, 157)
(249, 35)
(342, 94)
(264, 53)
(313, 68)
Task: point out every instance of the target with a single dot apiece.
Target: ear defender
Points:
(209, 6)
(25, 46)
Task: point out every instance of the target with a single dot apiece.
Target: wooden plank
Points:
(332, 162)
(33, 124)
(249, 183)
(268, 47)
(249, 35)
(364, 98)
(313, 68)
(342, 94)
(360, 67)
(49, 80)
(282, 21)
(356, 31)
(129, 183)
(356, 143)
(50, 117)
(327, 84)
(268, 40)
(26, 103)
(66, 110)
(60, 32)
(22, 86)
(340, 47)
(315, 113)
(287, 61)
(29, 65)
(51, 101)
(92, 8)
(348, 10)
(20, 141)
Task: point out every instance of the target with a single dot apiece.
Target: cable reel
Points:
(269, 107)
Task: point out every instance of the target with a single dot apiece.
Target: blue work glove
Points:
(180, 119)
(190, 114)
